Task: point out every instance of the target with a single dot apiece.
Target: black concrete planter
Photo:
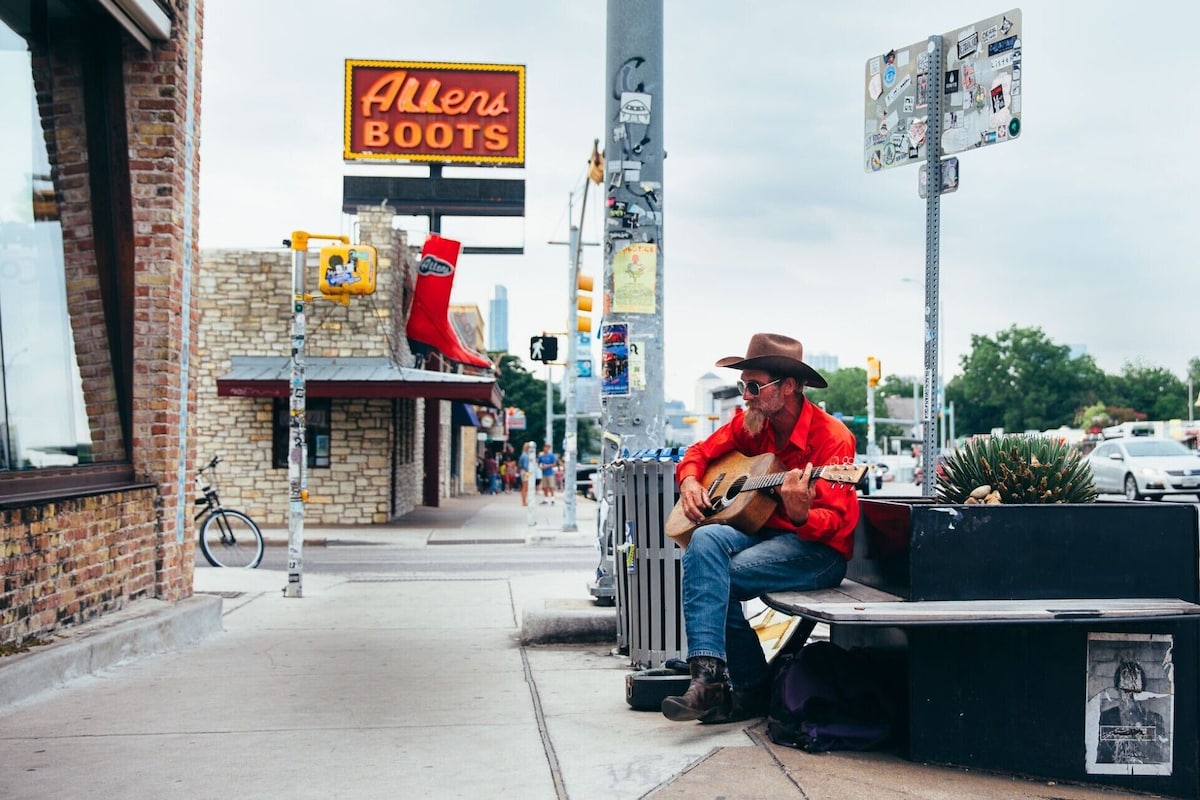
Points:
(922, 550)
(1014, 697)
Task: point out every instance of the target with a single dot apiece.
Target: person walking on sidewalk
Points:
(526, 462)
(547, 462)
(492, 470)
(804, 545)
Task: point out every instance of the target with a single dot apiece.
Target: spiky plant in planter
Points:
(1015, 469)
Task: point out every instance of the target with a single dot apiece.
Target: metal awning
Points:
(464, 415)
(270, 376)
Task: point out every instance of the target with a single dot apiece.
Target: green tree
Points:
(1153, 391)
(522, 390)
(898, 385)
(847, 395)
(1021, 380)
(1094, 416)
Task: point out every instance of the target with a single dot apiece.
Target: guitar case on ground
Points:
(646, 689)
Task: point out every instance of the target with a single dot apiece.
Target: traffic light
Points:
(583, 303)
(543, 348)
(596, 163)
(873, 371)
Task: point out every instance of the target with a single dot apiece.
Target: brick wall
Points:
(64, 563)
(70, 559)
(164, 164)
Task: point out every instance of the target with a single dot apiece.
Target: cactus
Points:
(1015, 469)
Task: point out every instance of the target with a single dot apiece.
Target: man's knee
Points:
(705, 540)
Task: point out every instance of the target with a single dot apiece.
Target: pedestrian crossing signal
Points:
(347, 269)
(543, 348)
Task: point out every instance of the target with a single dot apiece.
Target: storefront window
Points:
(59, 399)
(316, 430)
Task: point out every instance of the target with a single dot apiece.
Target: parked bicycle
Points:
(228, 538)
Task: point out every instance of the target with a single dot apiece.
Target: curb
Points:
(567, 622)
(145, 627)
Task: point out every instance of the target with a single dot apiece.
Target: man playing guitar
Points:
(804, 544)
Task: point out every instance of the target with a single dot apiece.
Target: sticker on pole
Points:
(614, 360)
(949, 177)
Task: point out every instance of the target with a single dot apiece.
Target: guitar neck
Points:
(773, 480)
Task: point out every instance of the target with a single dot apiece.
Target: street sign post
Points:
(953, 92)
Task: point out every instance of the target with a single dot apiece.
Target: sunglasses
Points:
(754, 387)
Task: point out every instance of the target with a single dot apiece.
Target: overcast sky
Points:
(1081, 226)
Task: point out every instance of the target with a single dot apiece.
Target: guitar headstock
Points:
(844, 473)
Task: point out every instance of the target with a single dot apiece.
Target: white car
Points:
(1142, 466)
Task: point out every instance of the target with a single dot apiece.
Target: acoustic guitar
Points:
(739, 488)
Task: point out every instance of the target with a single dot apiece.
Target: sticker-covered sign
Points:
(979, 84)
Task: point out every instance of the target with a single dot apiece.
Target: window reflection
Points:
(48, 293)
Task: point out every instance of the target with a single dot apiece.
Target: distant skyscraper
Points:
(823, 363)
(497, 328)
(702, 400)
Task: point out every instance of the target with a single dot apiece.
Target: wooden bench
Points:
(1001, 684)
(856, 604)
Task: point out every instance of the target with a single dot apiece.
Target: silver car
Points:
(1141, 467)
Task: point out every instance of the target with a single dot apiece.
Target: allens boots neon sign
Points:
(417, 111)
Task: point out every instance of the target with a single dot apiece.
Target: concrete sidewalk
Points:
(411, 686)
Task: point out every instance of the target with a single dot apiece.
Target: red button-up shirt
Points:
(818, 439)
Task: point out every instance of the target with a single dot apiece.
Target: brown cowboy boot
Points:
(743, 704)
(706, 695)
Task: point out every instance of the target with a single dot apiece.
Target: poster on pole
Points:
(634, 271)
(980, 85)
(614, 360)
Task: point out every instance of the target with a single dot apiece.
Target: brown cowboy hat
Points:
(778, 355)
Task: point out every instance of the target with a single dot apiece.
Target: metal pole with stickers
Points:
(344, 270)
(958, 91)
(631, 336)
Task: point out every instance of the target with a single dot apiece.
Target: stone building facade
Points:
(375, 451)
(98, 267)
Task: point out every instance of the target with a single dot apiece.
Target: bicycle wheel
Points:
(231, 539)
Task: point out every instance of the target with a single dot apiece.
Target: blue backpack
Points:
(828, 698)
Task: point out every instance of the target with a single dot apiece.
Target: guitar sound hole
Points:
(735, 488)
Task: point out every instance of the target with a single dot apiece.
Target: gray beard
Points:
(754, 420)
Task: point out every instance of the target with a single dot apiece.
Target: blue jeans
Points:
(722, 567)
